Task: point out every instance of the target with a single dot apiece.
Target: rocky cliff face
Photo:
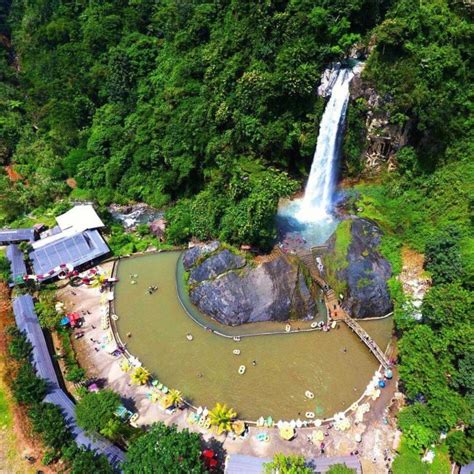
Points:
(364, 271)
(232, 292)
(383, 138)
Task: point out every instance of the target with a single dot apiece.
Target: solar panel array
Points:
(76, 250)
(27, 321)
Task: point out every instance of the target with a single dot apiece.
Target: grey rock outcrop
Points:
(216, 265)
(364, 273)
(384, 138)
(272, 291)
(367, 272)
(194, 254)
(328, 79)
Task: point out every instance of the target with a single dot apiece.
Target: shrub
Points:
(47, 420)
(27, 387)
(95, 410)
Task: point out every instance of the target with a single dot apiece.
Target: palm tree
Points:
(176, 396)
(221, 417)
(140, 376)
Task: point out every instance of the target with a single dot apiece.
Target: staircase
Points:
(336, 312)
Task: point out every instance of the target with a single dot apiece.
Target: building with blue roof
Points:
(27, 321)
(17, 263)
(76, 242)
(15, 236)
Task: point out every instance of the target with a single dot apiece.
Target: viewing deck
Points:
(337, 313)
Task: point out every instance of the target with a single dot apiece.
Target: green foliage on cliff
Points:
(336, 261)
(166, 101)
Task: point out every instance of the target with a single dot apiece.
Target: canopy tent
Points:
(287, 432)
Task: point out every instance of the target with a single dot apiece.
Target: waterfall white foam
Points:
(317, 202)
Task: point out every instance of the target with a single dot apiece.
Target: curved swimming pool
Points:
(335, 366)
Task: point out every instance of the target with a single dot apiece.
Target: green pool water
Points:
(206, 370)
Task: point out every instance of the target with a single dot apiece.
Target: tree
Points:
(222, 417)
(46, 310)
(443, 257)
(164, 449)
(19, 347)
(282, 464)
(447, 305)
(88, 461)
(140, 376)
(176, 396)
(340, 469)
(96, 409)
(461, 446)
(47, 420)
(27, 387)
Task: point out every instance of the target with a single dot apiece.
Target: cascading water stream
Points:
(318, 198)
(309, 221)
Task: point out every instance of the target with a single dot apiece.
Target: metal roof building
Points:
(14, 236)
(27, 321)
(17, 262)
(71, 248)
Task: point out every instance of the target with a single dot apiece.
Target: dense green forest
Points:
(209, 109)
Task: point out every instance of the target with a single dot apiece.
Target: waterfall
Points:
(317, 202)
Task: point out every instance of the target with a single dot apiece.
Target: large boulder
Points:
(216, 265)
(272, 291)
(192, 256)
(362, 272)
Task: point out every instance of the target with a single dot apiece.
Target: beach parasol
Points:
(358, 438)
(238, 427)
(293, 424)
(166, 402)
(318, 422)
(299, 423)
(205, 412)
(269, 421)
(199, 410)
(279, 424)
(287, 432)
(261, 421)
(317, 435)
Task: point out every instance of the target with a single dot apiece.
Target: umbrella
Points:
(238, 427)
(317, 435)
(269, 421)
(287, 432)
(205, 412)
(376, 394)
(293, 424)
(299, 423)
(199, 410)
(166, 402)
(318, 422)
(279, 424)
(261, 421)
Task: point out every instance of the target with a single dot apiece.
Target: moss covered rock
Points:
(355, 268)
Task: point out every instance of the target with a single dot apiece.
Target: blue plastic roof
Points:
(76, 250)
(27, 321)
(8, 236)
(17, 263)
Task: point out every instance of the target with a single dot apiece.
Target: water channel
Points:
(206, 370)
